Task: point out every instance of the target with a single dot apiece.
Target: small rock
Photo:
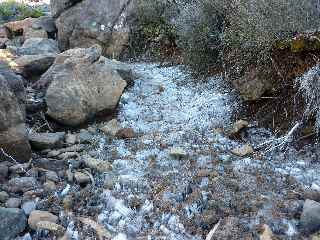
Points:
(33, 65)
(85, 136)
(68, 155)
(125, 133)
(22, 184)
(36, 46)
(178, 153)
(50, 164)
(13, 203)
(71, 139)
(12, 222)
(4, 196)
(42, 141)
(68, 202)
(50, 226)
(266, 233)
(19, 168)
(310, 217)
(53, 153)
(82, 178)
(28, 207)
(111, 128)
(49, 186)
(237, 127)
(243, 151)
(37, 216)
(52, 176)
(98, 165)
(99, 229)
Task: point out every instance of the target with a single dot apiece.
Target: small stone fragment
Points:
(125, 133)
(82, 178)
(243, 151)
(111, 128)
(28, 207)
(41, 141)
(37, 216)
(49, 186)
(4, 196)
(97, 165)
(50, 226)
(22, 184)
(13, 203)
(178, 153)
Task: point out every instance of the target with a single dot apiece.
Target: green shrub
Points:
(151, 25)
(12, 9)
(200, 26)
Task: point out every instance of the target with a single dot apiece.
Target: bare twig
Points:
(11, 158)
(212, 232)
(279, 142)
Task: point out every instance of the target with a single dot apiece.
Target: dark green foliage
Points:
(11, 9)
(150, 26)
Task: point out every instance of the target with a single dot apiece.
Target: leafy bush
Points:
(150, 25)
(200, 26)
(11, 8)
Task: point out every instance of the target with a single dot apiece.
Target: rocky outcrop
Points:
(42, 27)
(36, 46)
(33, 65)
(81, 86)
(84, 23)
(13, 138)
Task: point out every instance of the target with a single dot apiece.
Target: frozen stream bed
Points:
(177, 178)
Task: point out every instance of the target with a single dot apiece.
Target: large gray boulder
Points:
(12, 222)
(13, 137)
(89, 22)
(34, 65)
(82, 85)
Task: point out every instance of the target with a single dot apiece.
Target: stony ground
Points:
(171, 165)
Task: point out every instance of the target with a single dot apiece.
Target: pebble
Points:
(82, 178)
(71, 138)
(13, 203)
(125, 133)
(4, 196)
(37, 216)
(22, 184)
(52, 176)
(111, 128)
(50, 226)
(178, 153)
(41, 141)
(97, 165)
(19, 168)
(28, 207)
(243, 151)
(49, 186)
